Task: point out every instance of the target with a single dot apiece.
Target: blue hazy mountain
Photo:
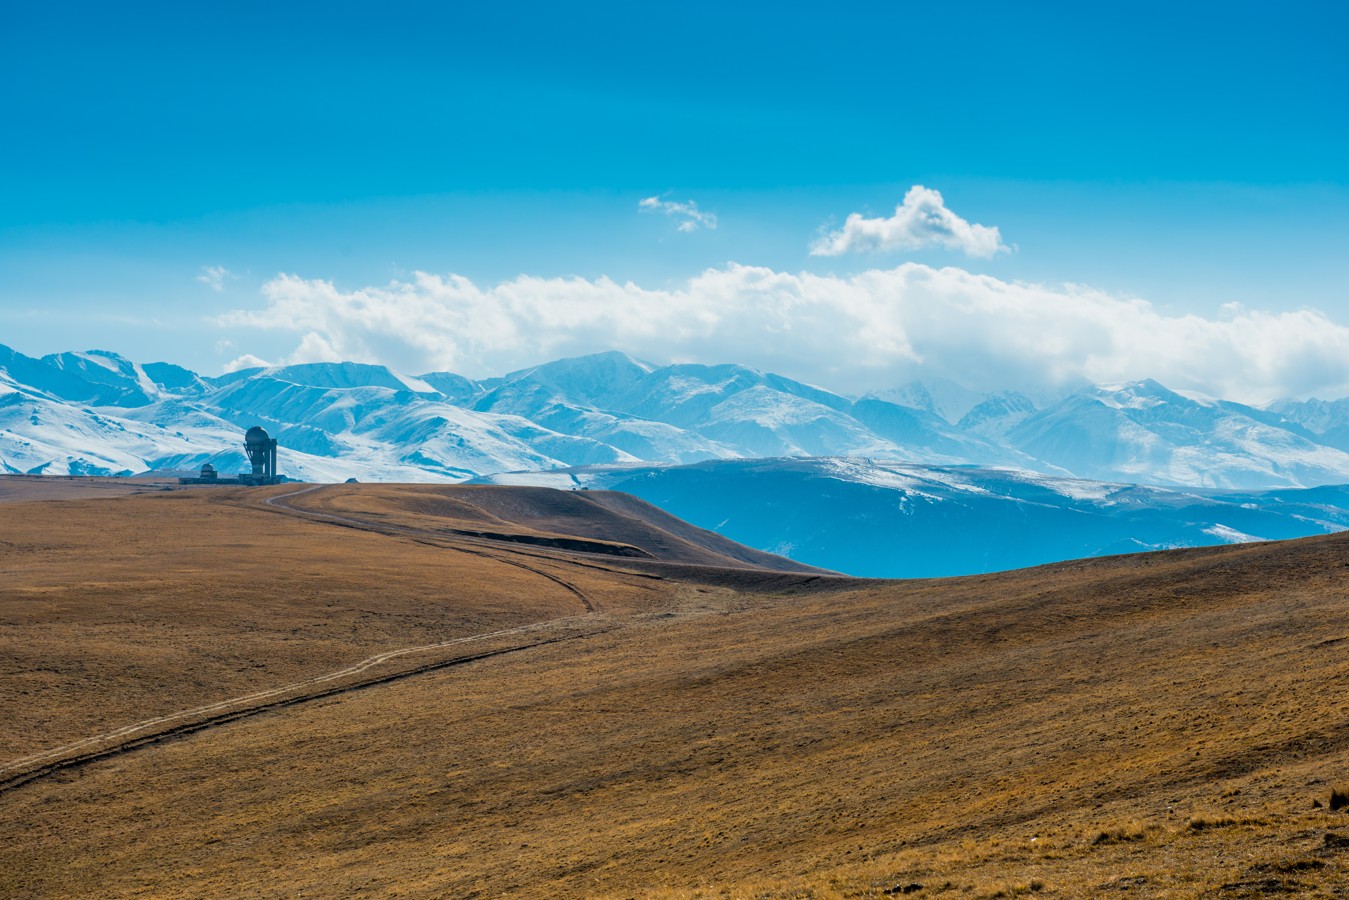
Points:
(897, 520)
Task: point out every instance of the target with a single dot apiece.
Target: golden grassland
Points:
(615, 523)
(1157, 725)
(115, 610)
(22, 488)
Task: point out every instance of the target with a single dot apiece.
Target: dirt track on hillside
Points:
(128, 737)
(180, 723)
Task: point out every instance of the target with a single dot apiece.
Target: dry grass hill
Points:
(479, 692)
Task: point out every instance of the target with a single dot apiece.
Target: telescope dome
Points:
(256, 435)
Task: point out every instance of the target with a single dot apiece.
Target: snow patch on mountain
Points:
(1230, 535)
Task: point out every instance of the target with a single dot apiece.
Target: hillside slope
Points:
(601, 522)
(1160, 723)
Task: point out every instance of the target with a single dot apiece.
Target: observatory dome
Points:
(256, 435)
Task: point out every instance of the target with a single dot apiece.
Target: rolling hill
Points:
(542, 721)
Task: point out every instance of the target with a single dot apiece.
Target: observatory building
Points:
(261, 450)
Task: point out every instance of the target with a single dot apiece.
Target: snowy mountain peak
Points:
(76, 360)
(175, 379)
(1327, 419)
(1132, 394)
(585, 378)
(997, 414)
(454, 388)
(345, 375)
(96, 377)
(939, 396)
(109, 369)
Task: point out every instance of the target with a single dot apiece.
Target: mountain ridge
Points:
(108, 415)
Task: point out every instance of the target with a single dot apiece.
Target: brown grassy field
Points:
(603, 522)
(1163, 725)
(115, 610)
(24, 488)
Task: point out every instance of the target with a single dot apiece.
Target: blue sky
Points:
(1193, 156)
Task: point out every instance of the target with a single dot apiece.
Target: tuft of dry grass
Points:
(1124, 833)
(1339, 798)
(1209, 820)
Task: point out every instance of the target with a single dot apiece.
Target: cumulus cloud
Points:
(922, 220)
(247, 361)
(691, 218)
(875, 329)
(214, 277)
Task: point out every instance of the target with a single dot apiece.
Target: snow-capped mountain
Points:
(939, 396)
(97, 412)
(684, 413)
(1142, 432)
(568, 397)
(997, 414)
(336, 375)
(895, 520)
(120, 381)
(1327, 419)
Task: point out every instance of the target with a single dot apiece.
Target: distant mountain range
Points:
(899, 520)
(98, 413)
(925, 479)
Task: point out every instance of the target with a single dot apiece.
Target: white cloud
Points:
(315, 348)
(214, 277)
(875, 329)
(922, 220)
(691, 217)
(247, 361)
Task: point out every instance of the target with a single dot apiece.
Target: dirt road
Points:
(354, 677)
